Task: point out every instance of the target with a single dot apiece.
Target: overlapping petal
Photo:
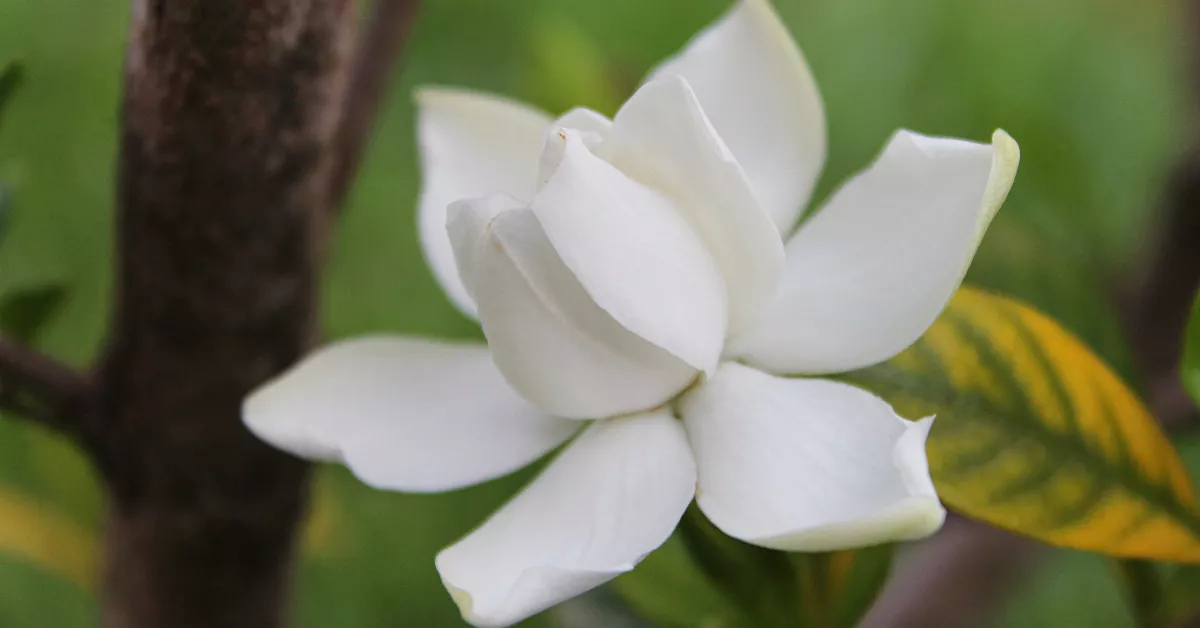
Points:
(869, 274)
(612, 496)
(634, 253)
(553, 343)
(404, 414)
(757, 90)
(807, 464)
(592, 128)
(662, 138)
(467, 223)
(471, 145)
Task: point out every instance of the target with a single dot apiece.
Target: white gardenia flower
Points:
(632, 273)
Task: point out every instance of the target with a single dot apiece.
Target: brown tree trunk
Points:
(230, 109)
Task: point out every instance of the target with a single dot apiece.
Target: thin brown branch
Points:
(1156, 308)
(373, 65)
(20, 405)
(37, 387)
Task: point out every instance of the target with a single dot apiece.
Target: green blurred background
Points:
(1094, 90)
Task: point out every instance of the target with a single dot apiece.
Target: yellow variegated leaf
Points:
(1037, 435)
(46, 539)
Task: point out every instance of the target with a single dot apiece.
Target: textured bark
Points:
(230, 108)
(239, 136)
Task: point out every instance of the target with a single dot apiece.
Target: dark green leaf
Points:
(668, 590)
(702, 577)
(1143, 590)
(762, 582)
(1191, 354)
(5, 206)
(23, 314)
(11, 78)
(1182, 593)
(836, 588)
(868, 571)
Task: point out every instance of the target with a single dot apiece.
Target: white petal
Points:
(471, 145)
(662, 139)
(757, 89)
(467, 223)
(870, 273)
(611, 497)
(404, 414)
(634, 253)
(807, 464)
(551, 340)
(592, 128)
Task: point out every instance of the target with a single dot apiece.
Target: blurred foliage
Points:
(47, 559)
(762, 583)
(1037, 435)
(1143, 586)
(1191, 354)
(47, 539)
(1072, 590)
(1182, 589)
(669, 589)
(25, 312)
(1092, 89)
(5, 205)
(1181, 584)
(859, 577)
(11, 75)
(702, 577)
